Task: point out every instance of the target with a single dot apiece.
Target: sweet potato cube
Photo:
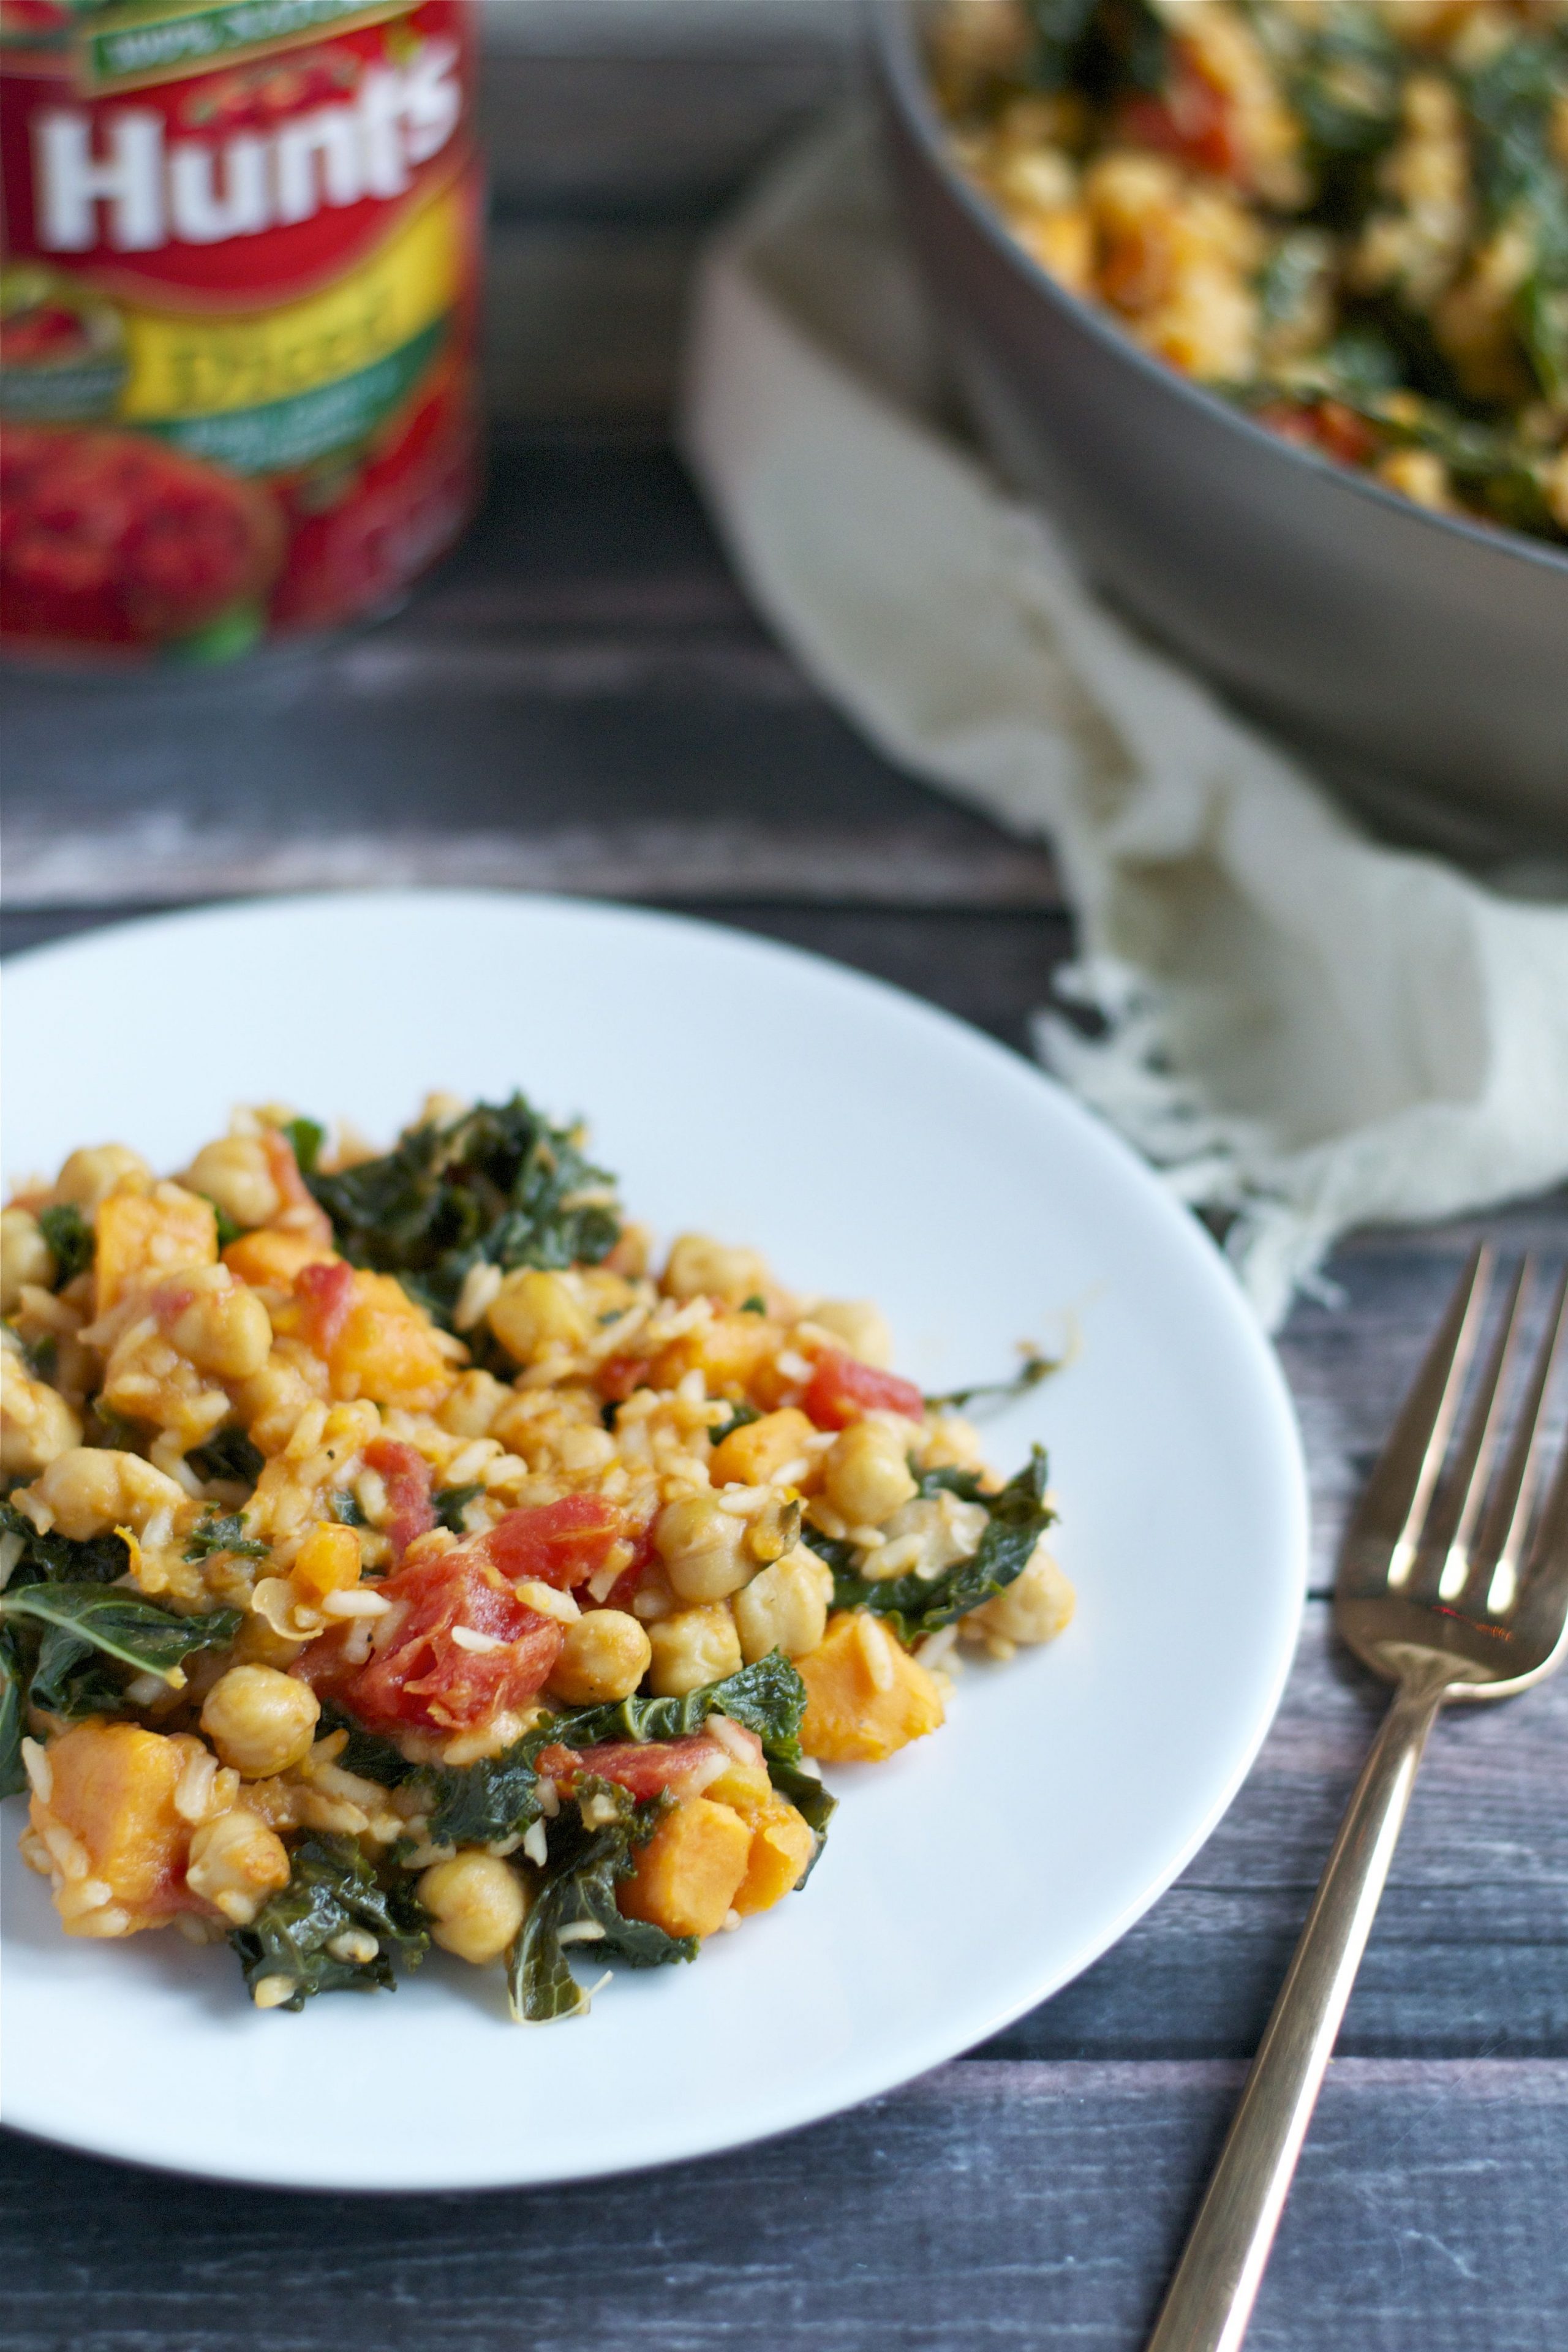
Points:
(385, 1349)
(688, 1873)
(730, 1352)
(744, 1787)
(144, 1236)
(113, 1794)
(752, 1455)
(271, 1260)
(866, 1697)
(782, 1845)
(327, 1562)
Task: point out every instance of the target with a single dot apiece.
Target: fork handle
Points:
(1210, 2299)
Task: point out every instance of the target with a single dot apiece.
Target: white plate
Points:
(870, 1145)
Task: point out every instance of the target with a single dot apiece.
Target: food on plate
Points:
(390, 1557)
(1350, 217)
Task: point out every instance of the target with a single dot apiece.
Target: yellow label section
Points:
(183, 367)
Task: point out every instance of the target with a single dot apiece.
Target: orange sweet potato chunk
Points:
(143, 1236)
(113, 1791)
(386, 1348)
(866, 1697)
(782, 1846)
(271, 1260)
(690, 1870)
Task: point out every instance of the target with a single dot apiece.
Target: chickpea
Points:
(698, 1268)
(866, 1473)
(89, 1176)
(89, 1489)
(785, 1607)
(475, 1905)
(1036, 1607)
(701, 1546)
(473, 1405)
(261, 1721)
(235, 1173)
(604, 1657)
(693, 1647)
(37, 1425)
(532, 1313)
(234, 1863)
(858, 1326)
(226, 1331)
(25, 1256)
(752, 1455)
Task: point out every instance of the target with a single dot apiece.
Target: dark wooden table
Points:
(582, 700)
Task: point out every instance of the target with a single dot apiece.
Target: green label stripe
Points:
(155, 38)
(285, 434)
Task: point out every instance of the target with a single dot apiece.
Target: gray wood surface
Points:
(582, 698)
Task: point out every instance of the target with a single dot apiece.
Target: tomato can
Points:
(239, 296)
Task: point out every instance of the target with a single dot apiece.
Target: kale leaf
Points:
(768, 1698)
(916, 1605)
(306, 1136)
(56, 1559)
(499, 1185)
(1102, 47)
(13, 1716)
(215, 1534)
(451, 1502)
(332, 1891)
(477, 1804)
(77, 1619)
(71, 1239)
(575, 1904)
(1035, 1369)
(228, 1454)
(367, 1753)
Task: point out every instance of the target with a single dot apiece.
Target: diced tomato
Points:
(407, 1477)
(684, 1766)
(843, 1389)
(326, 1291)
(628, 1584)
(560, 1543)
(1191, 119)
(301, 1211)
(619, 1375)
(1326, 425)
(423, 1678)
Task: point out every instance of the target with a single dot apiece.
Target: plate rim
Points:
(936, 2048)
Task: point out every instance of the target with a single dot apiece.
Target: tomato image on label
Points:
(111, 539)
(236, 318)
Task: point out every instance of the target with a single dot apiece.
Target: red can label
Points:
(237, 316)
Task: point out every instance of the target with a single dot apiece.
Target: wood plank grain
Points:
(989, 2205)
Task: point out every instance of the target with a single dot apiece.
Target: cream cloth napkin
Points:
(1300, 1027)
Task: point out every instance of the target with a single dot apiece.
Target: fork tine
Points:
(1498, 1549)
(1444, 1543)
(1382, 1541)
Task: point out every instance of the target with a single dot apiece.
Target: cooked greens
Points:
(573, 1905)
(914, 1606)
(499, 1186)
(70, 1241)
(73, 1622)
(228, 1454)
(335, 1927)
(55, 1558)
(215, 1534)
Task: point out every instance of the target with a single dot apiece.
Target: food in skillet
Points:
(1350, 217)
(388, 1557)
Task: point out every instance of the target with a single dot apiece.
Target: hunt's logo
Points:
(117, 178)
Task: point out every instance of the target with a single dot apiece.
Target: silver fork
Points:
(1452, 1585)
